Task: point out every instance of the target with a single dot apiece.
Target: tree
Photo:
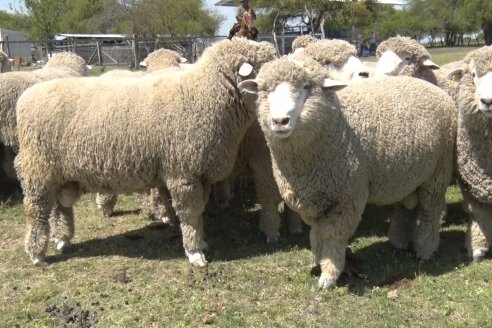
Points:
(480, 11)
(174, 18)
(45, 17)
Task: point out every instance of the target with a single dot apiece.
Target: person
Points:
(240, 10)
(373, 44)
(244, 7)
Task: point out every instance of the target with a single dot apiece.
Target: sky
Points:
(228, 12)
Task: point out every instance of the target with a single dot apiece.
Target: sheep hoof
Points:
(62, 245)
(197, 259)
(273, 240)
(479, 254)
(165, 220)
(326, 282)
(39, 262)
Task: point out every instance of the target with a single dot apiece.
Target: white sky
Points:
(228, 12)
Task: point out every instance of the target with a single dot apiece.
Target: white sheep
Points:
(473, 145)
(334, 152)
(404, 56)
(99, 135)
(339, 57)
(13, 84)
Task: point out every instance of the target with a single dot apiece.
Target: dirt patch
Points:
(396, 283)
(74, 316)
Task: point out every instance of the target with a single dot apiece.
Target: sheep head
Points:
(402, 56)
(287, 90)
(475, 78)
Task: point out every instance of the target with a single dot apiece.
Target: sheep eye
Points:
(473, 74)
(305, 87)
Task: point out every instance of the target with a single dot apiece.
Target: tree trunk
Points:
(487, 32)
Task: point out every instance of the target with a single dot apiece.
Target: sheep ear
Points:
(333, 85)
(143, 64)
(183, 60)
(455, 75)
(430, 64)
(245, 69)
(248, 86)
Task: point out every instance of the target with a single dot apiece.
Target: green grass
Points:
(126, 272)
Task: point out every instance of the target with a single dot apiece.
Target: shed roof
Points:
(228, 3)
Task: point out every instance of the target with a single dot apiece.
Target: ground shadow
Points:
(383, 266)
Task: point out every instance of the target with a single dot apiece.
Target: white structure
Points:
(15, 44)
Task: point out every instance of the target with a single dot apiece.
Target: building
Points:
(15, 44)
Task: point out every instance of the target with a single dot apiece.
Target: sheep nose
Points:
(364, 74)
(281, 121)
(486, 101)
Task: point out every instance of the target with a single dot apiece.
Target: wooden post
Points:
(99, 57)
(135, 52)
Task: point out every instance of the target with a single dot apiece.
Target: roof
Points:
(63, 36)
(228, 3)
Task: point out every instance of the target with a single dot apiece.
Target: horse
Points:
(245, 29)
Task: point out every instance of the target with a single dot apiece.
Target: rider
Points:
(243, 8)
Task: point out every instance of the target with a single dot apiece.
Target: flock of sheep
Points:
(319, 129)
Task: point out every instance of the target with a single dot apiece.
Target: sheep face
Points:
(352, 69)
(475, 78)
(483, 93)
(393, 63)
(287, 93)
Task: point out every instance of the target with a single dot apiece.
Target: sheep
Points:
(13, 84)
(4, 62)
(334, 152)
(405, 56)
(474, 141)
(339, 57)
(157, 60)
(162, 58)
(302, 41)
(177, 135)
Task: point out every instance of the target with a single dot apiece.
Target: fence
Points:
(131, 51)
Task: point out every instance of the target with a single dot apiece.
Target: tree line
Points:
(445, 20)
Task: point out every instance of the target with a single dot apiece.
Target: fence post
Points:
(99, 57)
(135, 52)
(8, 45)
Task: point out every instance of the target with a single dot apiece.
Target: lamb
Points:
(4, 62)
(13, 84)
(405, 56)
(334, 152)
(474, 141)
(171, 135)
(339, 57)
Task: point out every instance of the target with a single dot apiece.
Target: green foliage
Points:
(45, 17)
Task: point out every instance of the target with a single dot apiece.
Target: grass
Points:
(124, 271)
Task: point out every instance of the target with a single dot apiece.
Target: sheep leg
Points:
(106, 203)
(426, 232)
(37, 208)
(329, 237)
(402, 226)
(294, 222)
(62, 226)
(164, 208)
(479, 231)
(269, 199)
(189, 200)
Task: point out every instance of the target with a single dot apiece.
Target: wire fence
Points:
(122, 52)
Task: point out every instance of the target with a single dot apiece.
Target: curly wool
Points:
(13, 84)
(360, 145)
(154, 131)
(474, 139)
(162, 58)
(302, 41)
(404, 45)
(330, 51)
